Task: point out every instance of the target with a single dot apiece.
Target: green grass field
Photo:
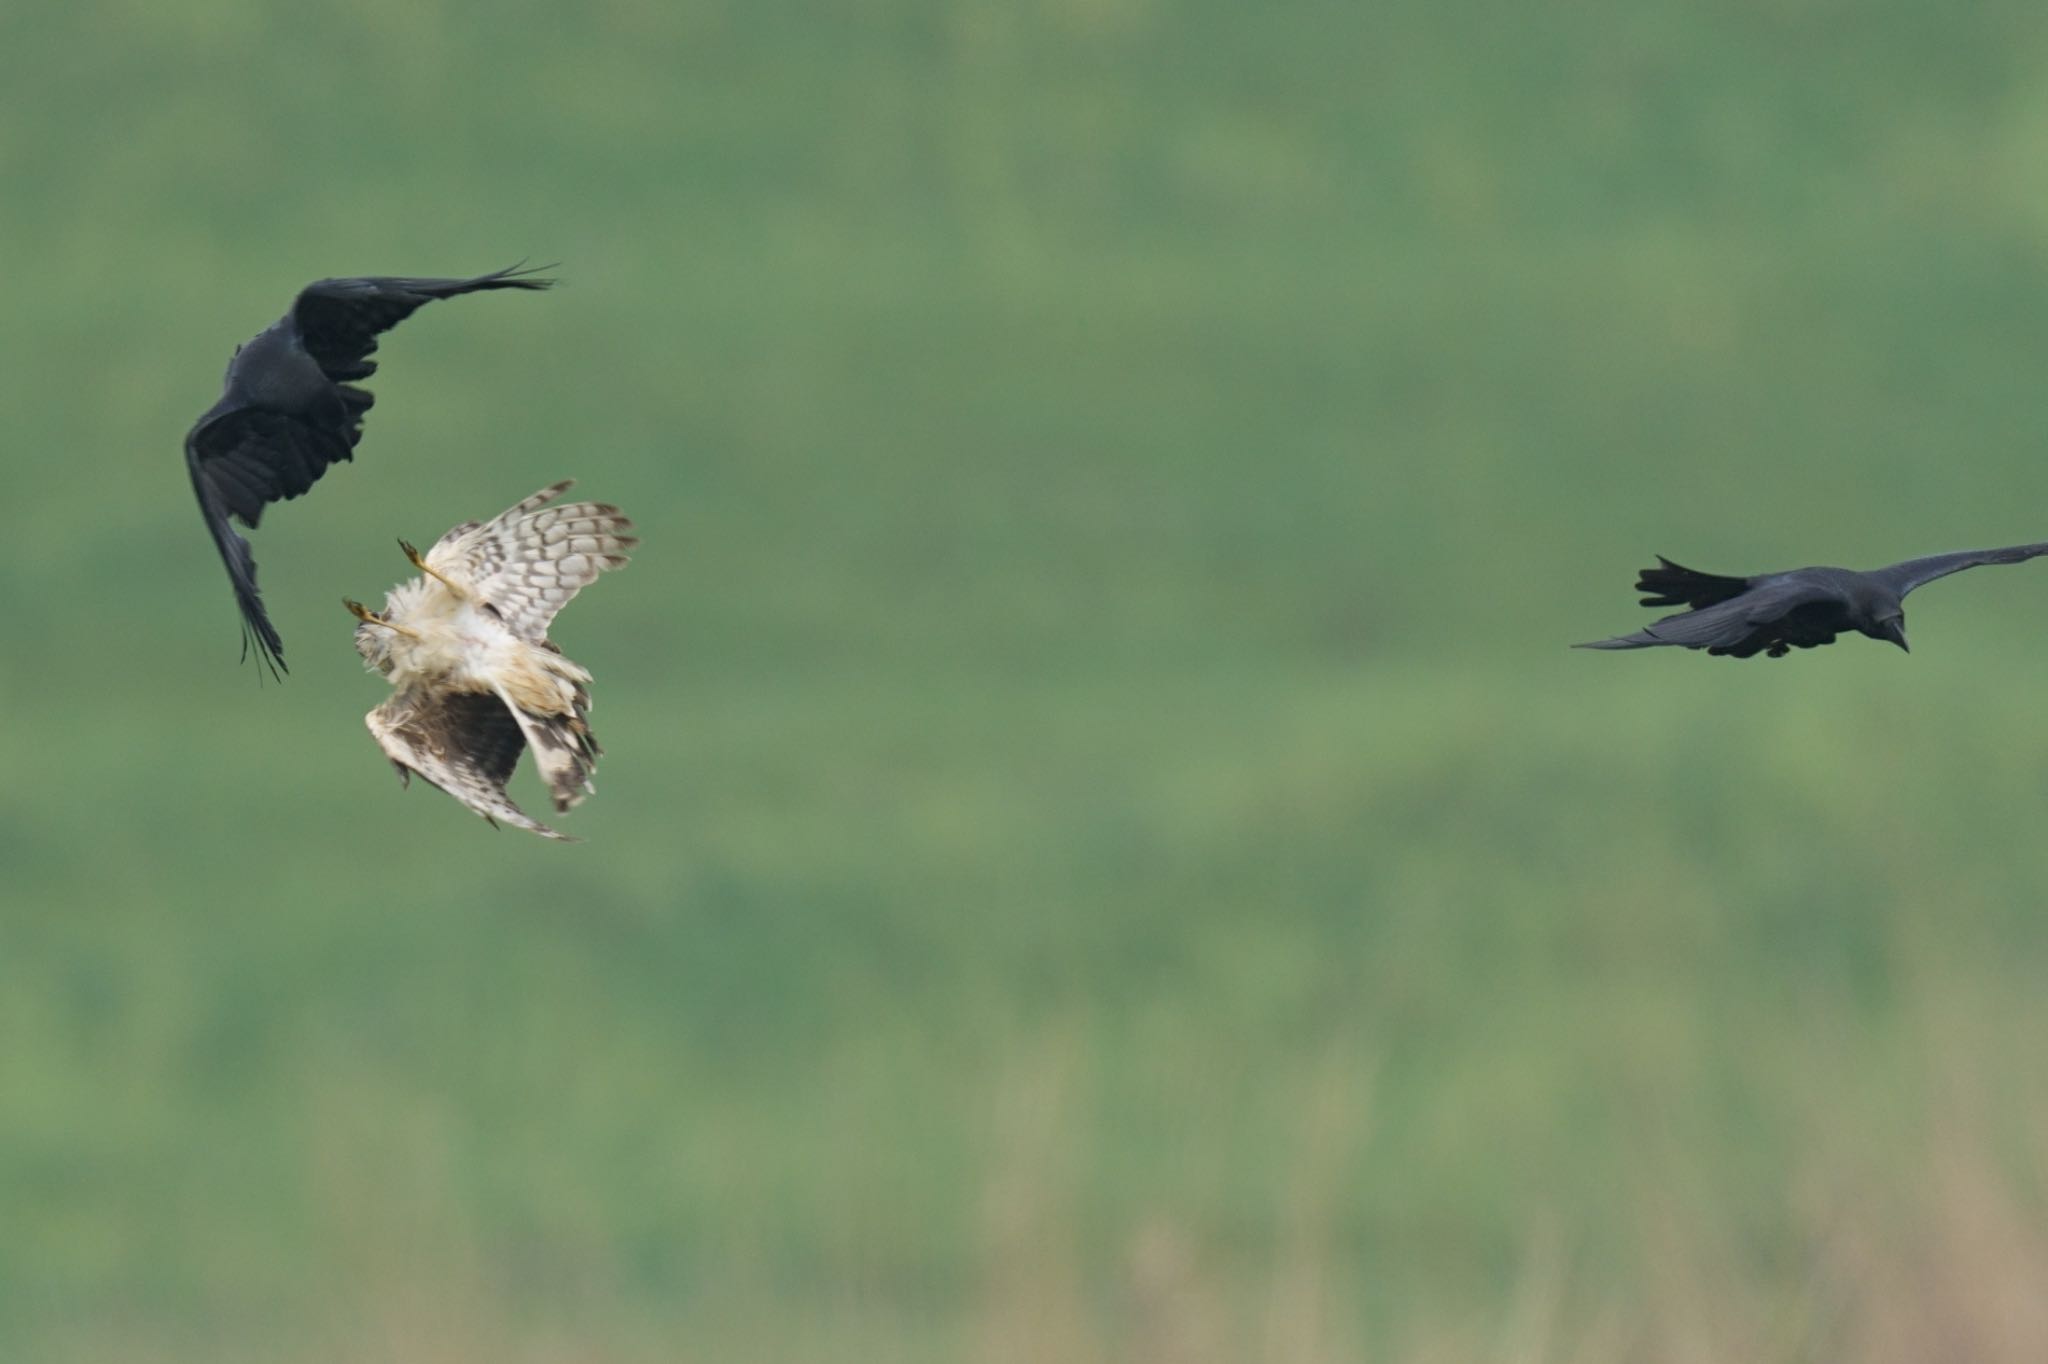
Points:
(1103, 853)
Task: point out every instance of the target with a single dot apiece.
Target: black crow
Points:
(1775, 613)
(290, 408)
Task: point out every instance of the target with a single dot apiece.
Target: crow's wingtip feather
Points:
(520, 275)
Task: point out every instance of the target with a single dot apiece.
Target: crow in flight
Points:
(290, 408)
(1774, 613)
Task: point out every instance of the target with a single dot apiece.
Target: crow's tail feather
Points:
(1676, 585)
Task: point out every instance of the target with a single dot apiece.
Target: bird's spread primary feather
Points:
(475, 677)
(289, 409)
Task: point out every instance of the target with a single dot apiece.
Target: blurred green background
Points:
(1103, 852)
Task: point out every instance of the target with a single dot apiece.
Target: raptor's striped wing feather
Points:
(530, 560)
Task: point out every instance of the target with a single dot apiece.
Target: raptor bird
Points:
(290, 407)
(1774, 613)
(466, 648)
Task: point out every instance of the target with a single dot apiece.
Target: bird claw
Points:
(419, 561)
(369, 617)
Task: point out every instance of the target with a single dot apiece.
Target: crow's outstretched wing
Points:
(1903, 578)
(245, 458)
(339, 320)
(241, 566)
(242, 459)
(1784, 608)
(465, 743)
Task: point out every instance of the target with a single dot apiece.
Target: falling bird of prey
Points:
(1774, 613)
(465, 646)
(290, 407)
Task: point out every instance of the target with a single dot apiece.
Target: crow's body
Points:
(289, 408)
(1774, 613)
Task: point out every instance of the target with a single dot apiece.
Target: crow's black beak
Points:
(1895, 631)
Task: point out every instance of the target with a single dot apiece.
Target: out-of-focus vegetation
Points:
(1103, 852)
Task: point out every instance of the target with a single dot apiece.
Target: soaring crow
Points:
(290, 408)
(1775, 613)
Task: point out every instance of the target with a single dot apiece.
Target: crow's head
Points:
(1891, 627)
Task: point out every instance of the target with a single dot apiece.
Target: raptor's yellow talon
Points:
(419, 561)
(369, 617)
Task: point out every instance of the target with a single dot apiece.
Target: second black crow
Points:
(1774, 613)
